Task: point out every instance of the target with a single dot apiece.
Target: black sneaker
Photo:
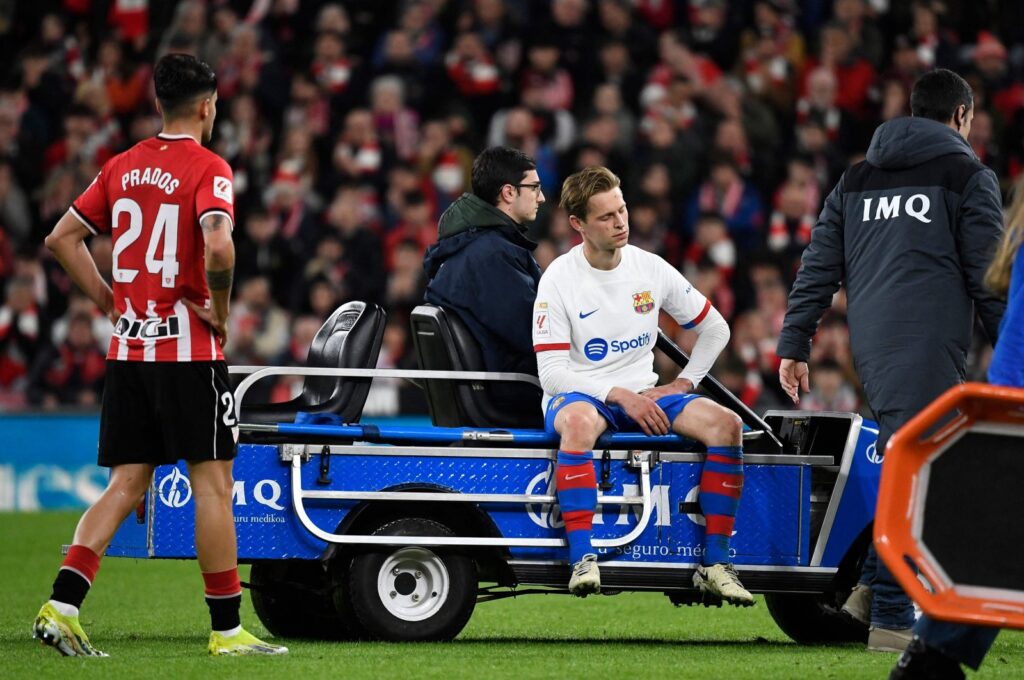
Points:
(921, 662)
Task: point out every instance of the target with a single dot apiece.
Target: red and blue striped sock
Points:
(576, 484)
(721, 483)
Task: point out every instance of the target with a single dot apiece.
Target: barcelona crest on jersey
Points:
(643, 302)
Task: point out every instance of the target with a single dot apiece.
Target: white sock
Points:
(64, 608)
(229, 633)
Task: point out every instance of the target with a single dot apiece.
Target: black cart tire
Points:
(813, 619)
(293, 599)
(412, 593)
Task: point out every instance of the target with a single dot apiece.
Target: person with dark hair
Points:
(482, 267)
(909, 232)
(168, 204)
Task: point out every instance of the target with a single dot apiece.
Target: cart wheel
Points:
(293, 600)
(411, 593)
(813, 619)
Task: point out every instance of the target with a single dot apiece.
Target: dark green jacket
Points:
(482, 268)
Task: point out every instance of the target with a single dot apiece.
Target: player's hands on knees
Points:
(642, 409)
(794, 376)
(219, 326)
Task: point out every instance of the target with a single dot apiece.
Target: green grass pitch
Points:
(150, 617)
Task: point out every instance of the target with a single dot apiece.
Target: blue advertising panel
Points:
(48, 462)
(771, 528)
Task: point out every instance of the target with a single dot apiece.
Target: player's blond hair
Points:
(997, 278)
(579, 187)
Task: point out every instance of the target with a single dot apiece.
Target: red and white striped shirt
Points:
(151, 199)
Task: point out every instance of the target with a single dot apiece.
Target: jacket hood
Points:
(906, 142)
(463, 223)
(472, 212)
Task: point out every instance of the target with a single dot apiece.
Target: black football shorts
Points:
(162, 412)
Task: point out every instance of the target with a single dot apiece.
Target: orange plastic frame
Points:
(910, 452)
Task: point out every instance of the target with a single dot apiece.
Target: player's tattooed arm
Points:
(219, 280)
(216, 221)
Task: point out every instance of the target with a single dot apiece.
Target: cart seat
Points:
(443, 343)
(350, 338)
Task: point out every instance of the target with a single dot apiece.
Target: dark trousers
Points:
(890, 606)
(963, 643)
(897, 390)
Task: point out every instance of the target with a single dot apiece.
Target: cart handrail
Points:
(299, 495)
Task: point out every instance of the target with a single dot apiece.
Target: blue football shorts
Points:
(618, 420)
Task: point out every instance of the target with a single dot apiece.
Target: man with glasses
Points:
(482, 267)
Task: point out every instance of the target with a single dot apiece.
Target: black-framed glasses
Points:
(534, 185)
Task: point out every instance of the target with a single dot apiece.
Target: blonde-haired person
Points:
(594, 328)
(939, 647)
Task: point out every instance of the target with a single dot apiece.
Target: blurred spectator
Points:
(991, 66)
(895, 100)
(15, 213)
(23, 332)
(648, 231)
(406, 283)
(768, 67)
(618, 24)
(711, 243)
(361, 256)
(262, 251)
(794, 215)
(494, 22)
(729, 195)
(820, 104)
(417, 228)
(72, 372)
(224, 22)
(448, 165)
(79, 305)
(867, 38)
(291, 208)
(519, 132)
(982, 140)
(830, 391)
(476, 77)
(569, 22)
(936, 47)
(126, 83)
(618, 68)
(359, 154)
(257, 328)
(543, 72)
(300, 339)
(712, 31)
(244, 141)
(837, 55)
(332, 69)
(397, 124)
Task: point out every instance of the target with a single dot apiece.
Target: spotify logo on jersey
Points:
(596, 349)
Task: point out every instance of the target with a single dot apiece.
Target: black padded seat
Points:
(350, 338)
(443, 343)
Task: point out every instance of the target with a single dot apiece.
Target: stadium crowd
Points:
(352, 125)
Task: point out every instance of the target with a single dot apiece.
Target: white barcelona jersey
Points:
(608, 320)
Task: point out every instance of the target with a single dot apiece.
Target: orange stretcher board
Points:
(951, 503)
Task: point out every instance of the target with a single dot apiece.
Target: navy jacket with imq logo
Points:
(910, 232)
